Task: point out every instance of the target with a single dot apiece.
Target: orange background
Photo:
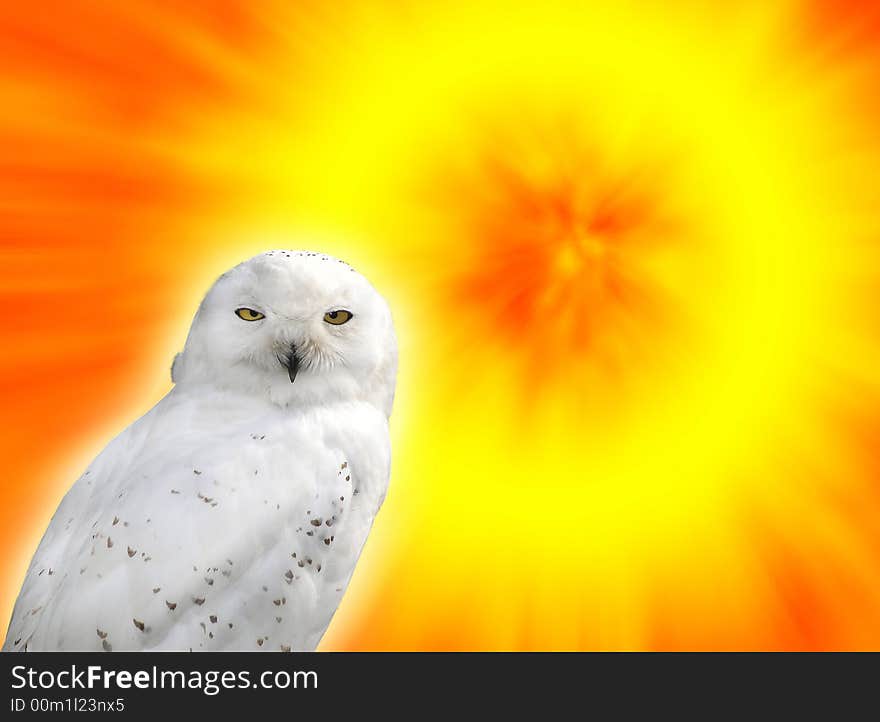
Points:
(633, 252)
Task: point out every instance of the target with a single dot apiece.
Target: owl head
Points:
(296, 327)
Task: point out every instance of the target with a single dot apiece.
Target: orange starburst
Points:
(557, 252)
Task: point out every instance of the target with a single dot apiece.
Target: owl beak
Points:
(291, 363)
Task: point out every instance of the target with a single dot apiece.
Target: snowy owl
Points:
(232, 514)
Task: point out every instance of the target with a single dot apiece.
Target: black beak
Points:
(291, 363)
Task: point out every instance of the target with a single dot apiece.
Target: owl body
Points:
(223, 519)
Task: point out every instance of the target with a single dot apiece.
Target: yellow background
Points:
(633, 253)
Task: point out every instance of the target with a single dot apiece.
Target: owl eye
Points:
(337, 318)
(248, 314)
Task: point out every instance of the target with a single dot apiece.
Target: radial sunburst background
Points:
(633, 251)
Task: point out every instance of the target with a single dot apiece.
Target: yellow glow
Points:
(631, 249)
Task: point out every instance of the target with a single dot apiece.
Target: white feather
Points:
(232, 514)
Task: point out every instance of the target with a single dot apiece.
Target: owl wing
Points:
(207, 526)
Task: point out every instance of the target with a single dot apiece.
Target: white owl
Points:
(232, 514)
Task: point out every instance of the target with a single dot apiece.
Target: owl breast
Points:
(242, 538)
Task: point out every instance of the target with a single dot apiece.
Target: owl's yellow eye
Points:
(337, 318)
(248, 314)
